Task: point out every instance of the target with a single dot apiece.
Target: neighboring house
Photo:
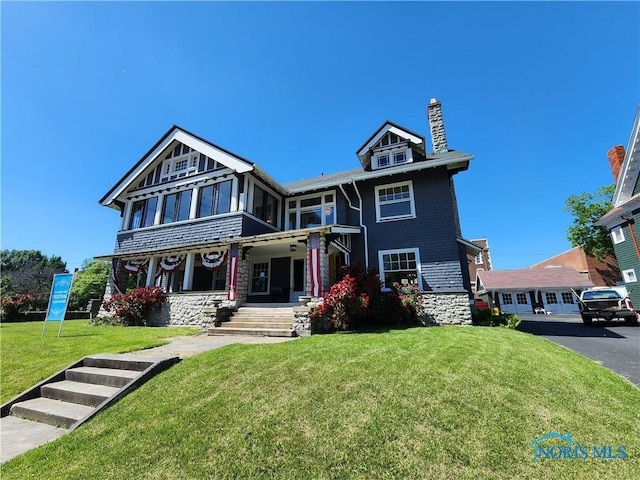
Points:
(622, 219)
(602, 273)
(479, 262)
(528, 289)
(212, 227)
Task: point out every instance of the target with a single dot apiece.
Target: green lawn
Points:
(27, 358)
(441, 402)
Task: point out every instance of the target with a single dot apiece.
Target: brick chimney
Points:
(436, 124)
(616, 158)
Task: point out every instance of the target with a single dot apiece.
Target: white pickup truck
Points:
(606, 303)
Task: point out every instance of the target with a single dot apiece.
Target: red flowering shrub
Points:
(12, 306)
(135, 307)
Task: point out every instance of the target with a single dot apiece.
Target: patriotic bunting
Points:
(314, 264)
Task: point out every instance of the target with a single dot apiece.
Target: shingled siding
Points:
(628, 258)
(433, 230)
(189, 233)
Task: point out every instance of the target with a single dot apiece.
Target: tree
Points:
(90, 282)
(28, 272)
(587, 209)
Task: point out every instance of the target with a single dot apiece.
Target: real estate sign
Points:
(59, 299)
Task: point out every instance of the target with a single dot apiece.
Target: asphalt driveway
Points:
(612, 344)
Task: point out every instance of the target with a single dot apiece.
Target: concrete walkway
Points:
(18, 436)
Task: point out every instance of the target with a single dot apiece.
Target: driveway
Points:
(612, 344)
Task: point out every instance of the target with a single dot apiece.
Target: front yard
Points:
(441, 402)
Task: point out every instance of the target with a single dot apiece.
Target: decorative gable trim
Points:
(175, 133)
(629, 173)
(389, 127)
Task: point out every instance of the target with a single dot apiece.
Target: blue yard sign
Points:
(60, 290)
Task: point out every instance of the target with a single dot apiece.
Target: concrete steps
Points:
(72, 396)
(266, 320)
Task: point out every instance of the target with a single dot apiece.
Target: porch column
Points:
(187, 282)
(151, 272)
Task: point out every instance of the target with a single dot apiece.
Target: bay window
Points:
(265, 206)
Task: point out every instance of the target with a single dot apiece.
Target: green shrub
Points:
(135, 307)
(107, 322)
(13, 306)
(357, 301)
(486, 319)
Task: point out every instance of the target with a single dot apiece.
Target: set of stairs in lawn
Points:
(75, 394)
(266, 320)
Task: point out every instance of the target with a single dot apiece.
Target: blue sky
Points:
(537, 92)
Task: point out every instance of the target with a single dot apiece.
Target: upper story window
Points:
(478, 259)
(176, 207)
(214, 199)
(265, 206)
(180, 161)
(391, 150)
(617, 235)
(143, 213)
(311, 211)
(395, 201)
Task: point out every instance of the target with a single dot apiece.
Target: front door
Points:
(280, 286)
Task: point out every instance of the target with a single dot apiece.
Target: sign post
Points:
(59, 299)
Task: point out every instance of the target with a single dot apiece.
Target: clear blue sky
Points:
(538, 92)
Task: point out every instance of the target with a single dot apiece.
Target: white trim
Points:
(391, 153)
(628, 175)
(298, 209)
(617, 235)
(416, 251)
(214, 153)
(412, 205)
(629, 276)
(383, 130)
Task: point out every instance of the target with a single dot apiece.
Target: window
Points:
(265, 206)
(143, 213)
(478, 259)
(506, 299)
(176, 207)
(551, 297)
(567, 297)
(402, 266)
(617, 235)
(629, 275)
(181, 161)
(314, 211)
(259, 277)
(395, 201)
(399, 157)
(214, 199)
(521, 298)
(205, 279)
(383, 161)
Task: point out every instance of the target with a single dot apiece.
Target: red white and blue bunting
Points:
(213, 260)
(314, 264)
(233, 274)
(171, 263)
(134, 266)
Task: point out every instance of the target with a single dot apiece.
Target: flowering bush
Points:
(134, 307)
(357, 300)
(12, 306)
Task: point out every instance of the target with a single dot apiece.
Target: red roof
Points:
(533, 278)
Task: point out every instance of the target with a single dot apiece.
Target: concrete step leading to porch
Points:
(269, 320)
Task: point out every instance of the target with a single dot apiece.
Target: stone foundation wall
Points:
(445, 309)
(186, 309)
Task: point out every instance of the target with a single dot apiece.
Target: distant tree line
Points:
(26, 277)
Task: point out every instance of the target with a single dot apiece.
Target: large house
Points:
(212, 227)
(622, 219)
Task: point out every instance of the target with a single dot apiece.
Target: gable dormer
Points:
(176, 155)
(389, 146)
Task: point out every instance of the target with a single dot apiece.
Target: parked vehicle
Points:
(606, 303)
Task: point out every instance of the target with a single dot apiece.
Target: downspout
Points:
(362, 225)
